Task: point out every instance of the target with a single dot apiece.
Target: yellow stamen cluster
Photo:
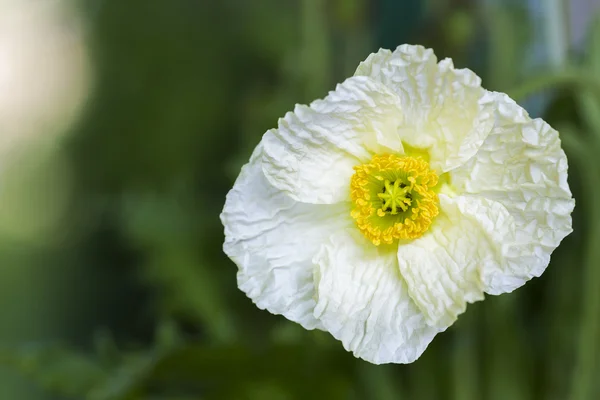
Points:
(393, 198)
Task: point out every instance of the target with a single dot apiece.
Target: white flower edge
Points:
(272, 239)
(363, 301)
(446, 109)
(311, 155)
(394, 97)
(512, 228)
(521, 166)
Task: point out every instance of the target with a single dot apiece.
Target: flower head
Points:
(380, 211)
(393, 198)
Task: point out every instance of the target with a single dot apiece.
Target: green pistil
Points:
(395, 196)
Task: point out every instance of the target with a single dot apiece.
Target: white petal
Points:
(311, 154)
(441, 268)
(363, 301)
(521, 165)
(447, 111)
(273, 239)
(498, 226)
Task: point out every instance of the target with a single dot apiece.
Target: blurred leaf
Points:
(427, 376)
(65, 372)
(380, 382)
(592, 53)
(351, 36)
(197, 367)
(315, 52)
(106, 348)
(168, 336)
(562, 308)
(589, 100)
(396, 22)
(167, 228)
(348, 13)
(128, 380)
(287, 333)
(508, 351)
(466, 366)
(584, 384)
(509, 32)
(459, 28)
(584, 150)
(55, 368)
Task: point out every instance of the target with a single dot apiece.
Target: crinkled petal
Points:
(499, 227)
(272, 239)
(311, 154)
(441, 268)
(447, 111)
(363, 301)
(521, 165)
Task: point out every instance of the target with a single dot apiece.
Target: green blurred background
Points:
(124, 123)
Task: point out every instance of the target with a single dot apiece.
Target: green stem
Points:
(569, 77)
(556, 32)
(583, 380)
(379, 381)
(464, 356)
(503, 345)
(315, 48)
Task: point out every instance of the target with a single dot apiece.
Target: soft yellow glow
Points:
(44, 71)
(45, 79)
(393, 198)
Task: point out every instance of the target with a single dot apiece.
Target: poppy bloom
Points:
(380, 211)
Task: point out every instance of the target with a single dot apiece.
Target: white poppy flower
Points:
(380, 211)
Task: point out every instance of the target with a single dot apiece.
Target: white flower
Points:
(380, 211)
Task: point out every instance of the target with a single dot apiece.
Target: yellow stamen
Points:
(393, 198)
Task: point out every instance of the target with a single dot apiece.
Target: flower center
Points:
(393, 198)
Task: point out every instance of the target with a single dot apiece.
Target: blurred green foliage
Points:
(138, 284)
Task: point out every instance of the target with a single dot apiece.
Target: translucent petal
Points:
(446, 110)
(498, 226)
(521, 165)
(363, 301)
(441, 268)
(272, 239)
(311, 154)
